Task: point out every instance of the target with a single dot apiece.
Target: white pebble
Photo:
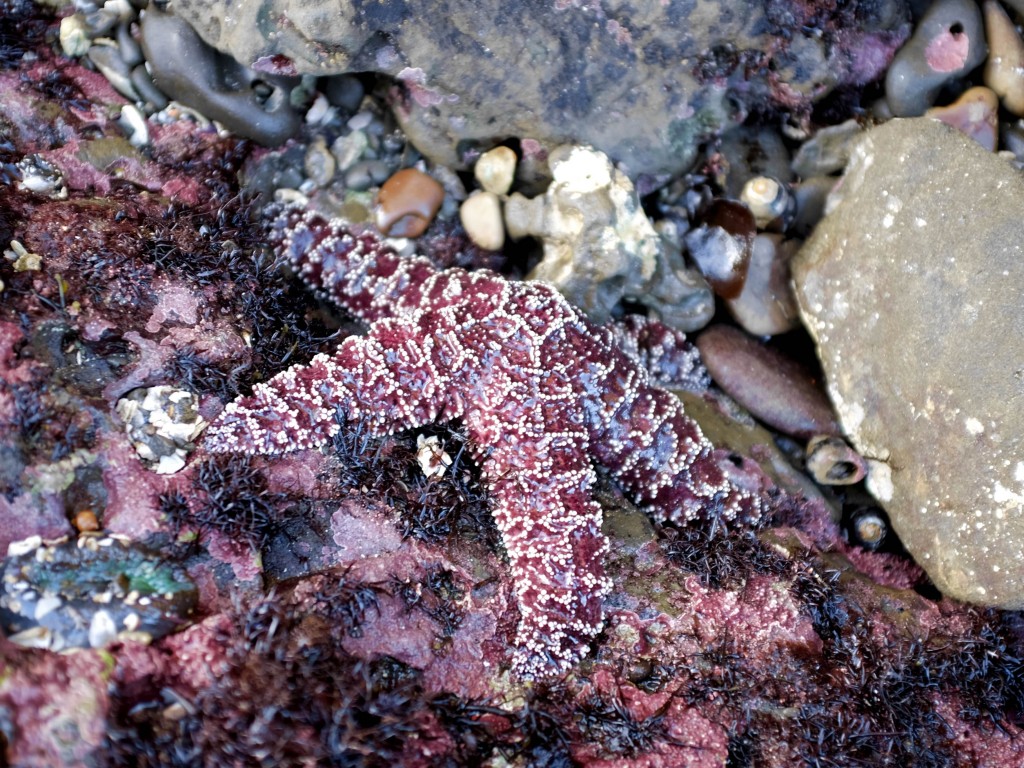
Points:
(133, 123)
(481, 216)
(102, 630)
(74, 35)
(495, 170)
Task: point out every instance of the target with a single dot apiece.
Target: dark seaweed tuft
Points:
(431, 509)
(231, 497)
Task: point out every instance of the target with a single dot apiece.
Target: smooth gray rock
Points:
(948, 42)
(912, 288)
(644, 82)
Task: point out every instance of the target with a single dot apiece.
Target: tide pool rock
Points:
(646, 83)
(912, 289)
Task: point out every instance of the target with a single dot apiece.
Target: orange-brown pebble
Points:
(407, 203)
(974, 114)
(86, 521)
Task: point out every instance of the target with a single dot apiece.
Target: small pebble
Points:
(110, 64)
(74, 36)
(481, 216)
(774, 388)
(496, 169)
(100, 22)
(949, 42)
(86, 521)
(407, 203)
(831, 461)
(320, 112)
(142, 81)
(349, 149)
(975, 114)
(766, 305)
(134, 124)
(319, 164)
(365, 174)
(127, 46)
(361, 120)
(1004, 70)
(344, 91)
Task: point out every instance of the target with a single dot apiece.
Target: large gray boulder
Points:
(643, 82)
(913, 288)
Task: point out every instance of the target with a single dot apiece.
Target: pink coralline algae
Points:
(544, 395)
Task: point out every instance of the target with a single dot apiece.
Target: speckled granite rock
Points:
(644, 83)
(912, 288)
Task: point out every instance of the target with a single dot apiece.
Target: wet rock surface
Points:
(89, 592)
(353, 606)
(599, 246)
(644, 84)
(912, 289)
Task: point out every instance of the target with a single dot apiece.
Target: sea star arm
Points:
(661, 459)
(667, 354)
(540, 489)
(389, 379)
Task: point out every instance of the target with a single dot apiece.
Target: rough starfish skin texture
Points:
(543, 394)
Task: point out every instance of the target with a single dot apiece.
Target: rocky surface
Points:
(912, 287)
(354, 606)
(645, 84)
(599, 245)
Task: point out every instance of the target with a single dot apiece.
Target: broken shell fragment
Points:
(868, 527)
(831, 461)
(720, 247)
(769, 200)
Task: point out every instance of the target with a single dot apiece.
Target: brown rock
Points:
(912, 288)
(773, 388)
(407, 203)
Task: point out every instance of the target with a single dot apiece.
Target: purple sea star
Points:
(543, 394)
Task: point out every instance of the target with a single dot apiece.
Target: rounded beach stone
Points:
(766, 306)
(407, 203)
(975, 114)
(949, 42)
(481, 216)
(496, 169)
(912, 289)
(774, 388)
(1004, 70)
